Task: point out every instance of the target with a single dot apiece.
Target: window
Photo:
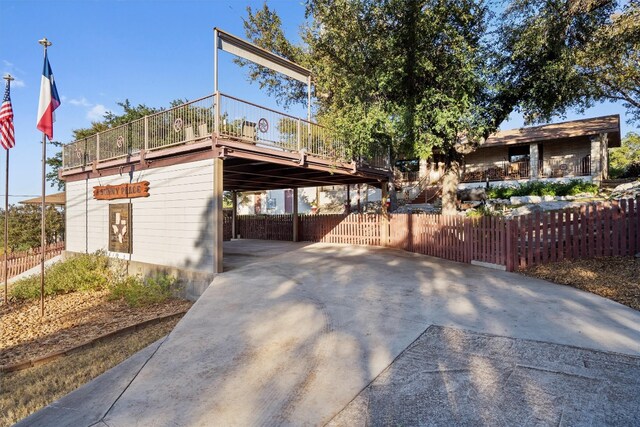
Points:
(519, 153)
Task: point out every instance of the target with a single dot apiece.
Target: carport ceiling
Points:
(252, 175)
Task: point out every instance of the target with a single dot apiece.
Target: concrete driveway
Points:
(303, 334)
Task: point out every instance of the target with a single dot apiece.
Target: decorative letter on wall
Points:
(122, 191)
(120, 228)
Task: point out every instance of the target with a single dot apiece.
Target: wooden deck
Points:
(262, 149)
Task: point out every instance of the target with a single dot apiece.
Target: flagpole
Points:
(45, 43)
(8, 78)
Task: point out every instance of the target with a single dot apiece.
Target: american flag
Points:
(7, 137)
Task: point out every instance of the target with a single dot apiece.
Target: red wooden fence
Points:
(19, 262)
(265, 227)
(355, 229)
(603, 229)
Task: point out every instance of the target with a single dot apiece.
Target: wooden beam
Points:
(217, 216)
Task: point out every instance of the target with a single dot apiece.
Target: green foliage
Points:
(539, 188)
(537, 44)
(80, 273)
(609, 60)
(150, 290)
(481, 211)
(55, 163)
(426, 76)
(405, 74)
(111, 119)
(24, 226)
(89, 272)
(622, 158)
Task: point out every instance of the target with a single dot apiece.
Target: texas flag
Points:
(49, 100)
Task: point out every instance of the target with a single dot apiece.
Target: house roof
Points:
(582, 129)
(57, 199)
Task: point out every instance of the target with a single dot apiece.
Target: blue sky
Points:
(105, 51)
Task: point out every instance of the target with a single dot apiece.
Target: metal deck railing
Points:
(221, 114)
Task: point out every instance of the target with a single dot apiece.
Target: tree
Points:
(425, 76)
(379, 71)
(24, 226)
(55, 164)
(610, 60)
(535, 64)
(111, 119)
(621, 158)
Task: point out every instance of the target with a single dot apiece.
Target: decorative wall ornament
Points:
(120, 141)
(122, 191)
(120, 228)
(177, 124)
(263, 125)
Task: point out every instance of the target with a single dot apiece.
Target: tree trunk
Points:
(450, 187)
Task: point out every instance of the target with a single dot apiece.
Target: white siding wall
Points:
(171, 227)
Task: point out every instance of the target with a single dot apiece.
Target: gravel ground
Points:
(616, 278)
(26, 391)
(69, 320)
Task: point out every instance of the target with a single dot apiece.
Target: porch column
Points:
(597, 150)
(296, 229)
(216, 216)
(234, 214)
(423, 169)
(534, 160)
(604, 146)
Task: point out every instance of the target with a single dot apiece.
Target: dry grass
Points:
(24, 392)
(616, 278)
(70, 320)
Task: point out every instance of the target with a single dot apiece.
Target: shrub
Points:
(150, 290)
(80, 273)
(481, 211)
(94, 272)
(539, 188)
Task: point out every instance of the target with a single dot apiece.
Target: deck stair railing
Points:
(192, 121)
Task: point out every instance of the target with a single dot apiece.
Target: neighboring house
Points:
(575, 149)
(570, 150)
(327, 199)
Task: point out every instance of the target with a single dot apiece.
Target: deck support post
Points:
(234, 214)
(296, 228)
(217, 216)
(384, 223)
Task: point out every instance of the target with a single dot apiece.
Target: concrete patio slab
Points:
(290, 337)
(454, 377)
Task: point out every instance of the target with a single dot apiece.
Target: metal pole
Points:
(309, 113)
(45, 43)
(6, 233)
(215, 60)
(216, 120)
(309, 98)
(8, 78)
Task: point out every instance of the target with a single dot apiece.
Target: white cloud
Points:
(82, 102)
(9, 68)
(97, 112)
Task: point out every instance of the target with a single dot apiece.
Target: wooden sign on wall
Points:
(120, 228)
(122, 191)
